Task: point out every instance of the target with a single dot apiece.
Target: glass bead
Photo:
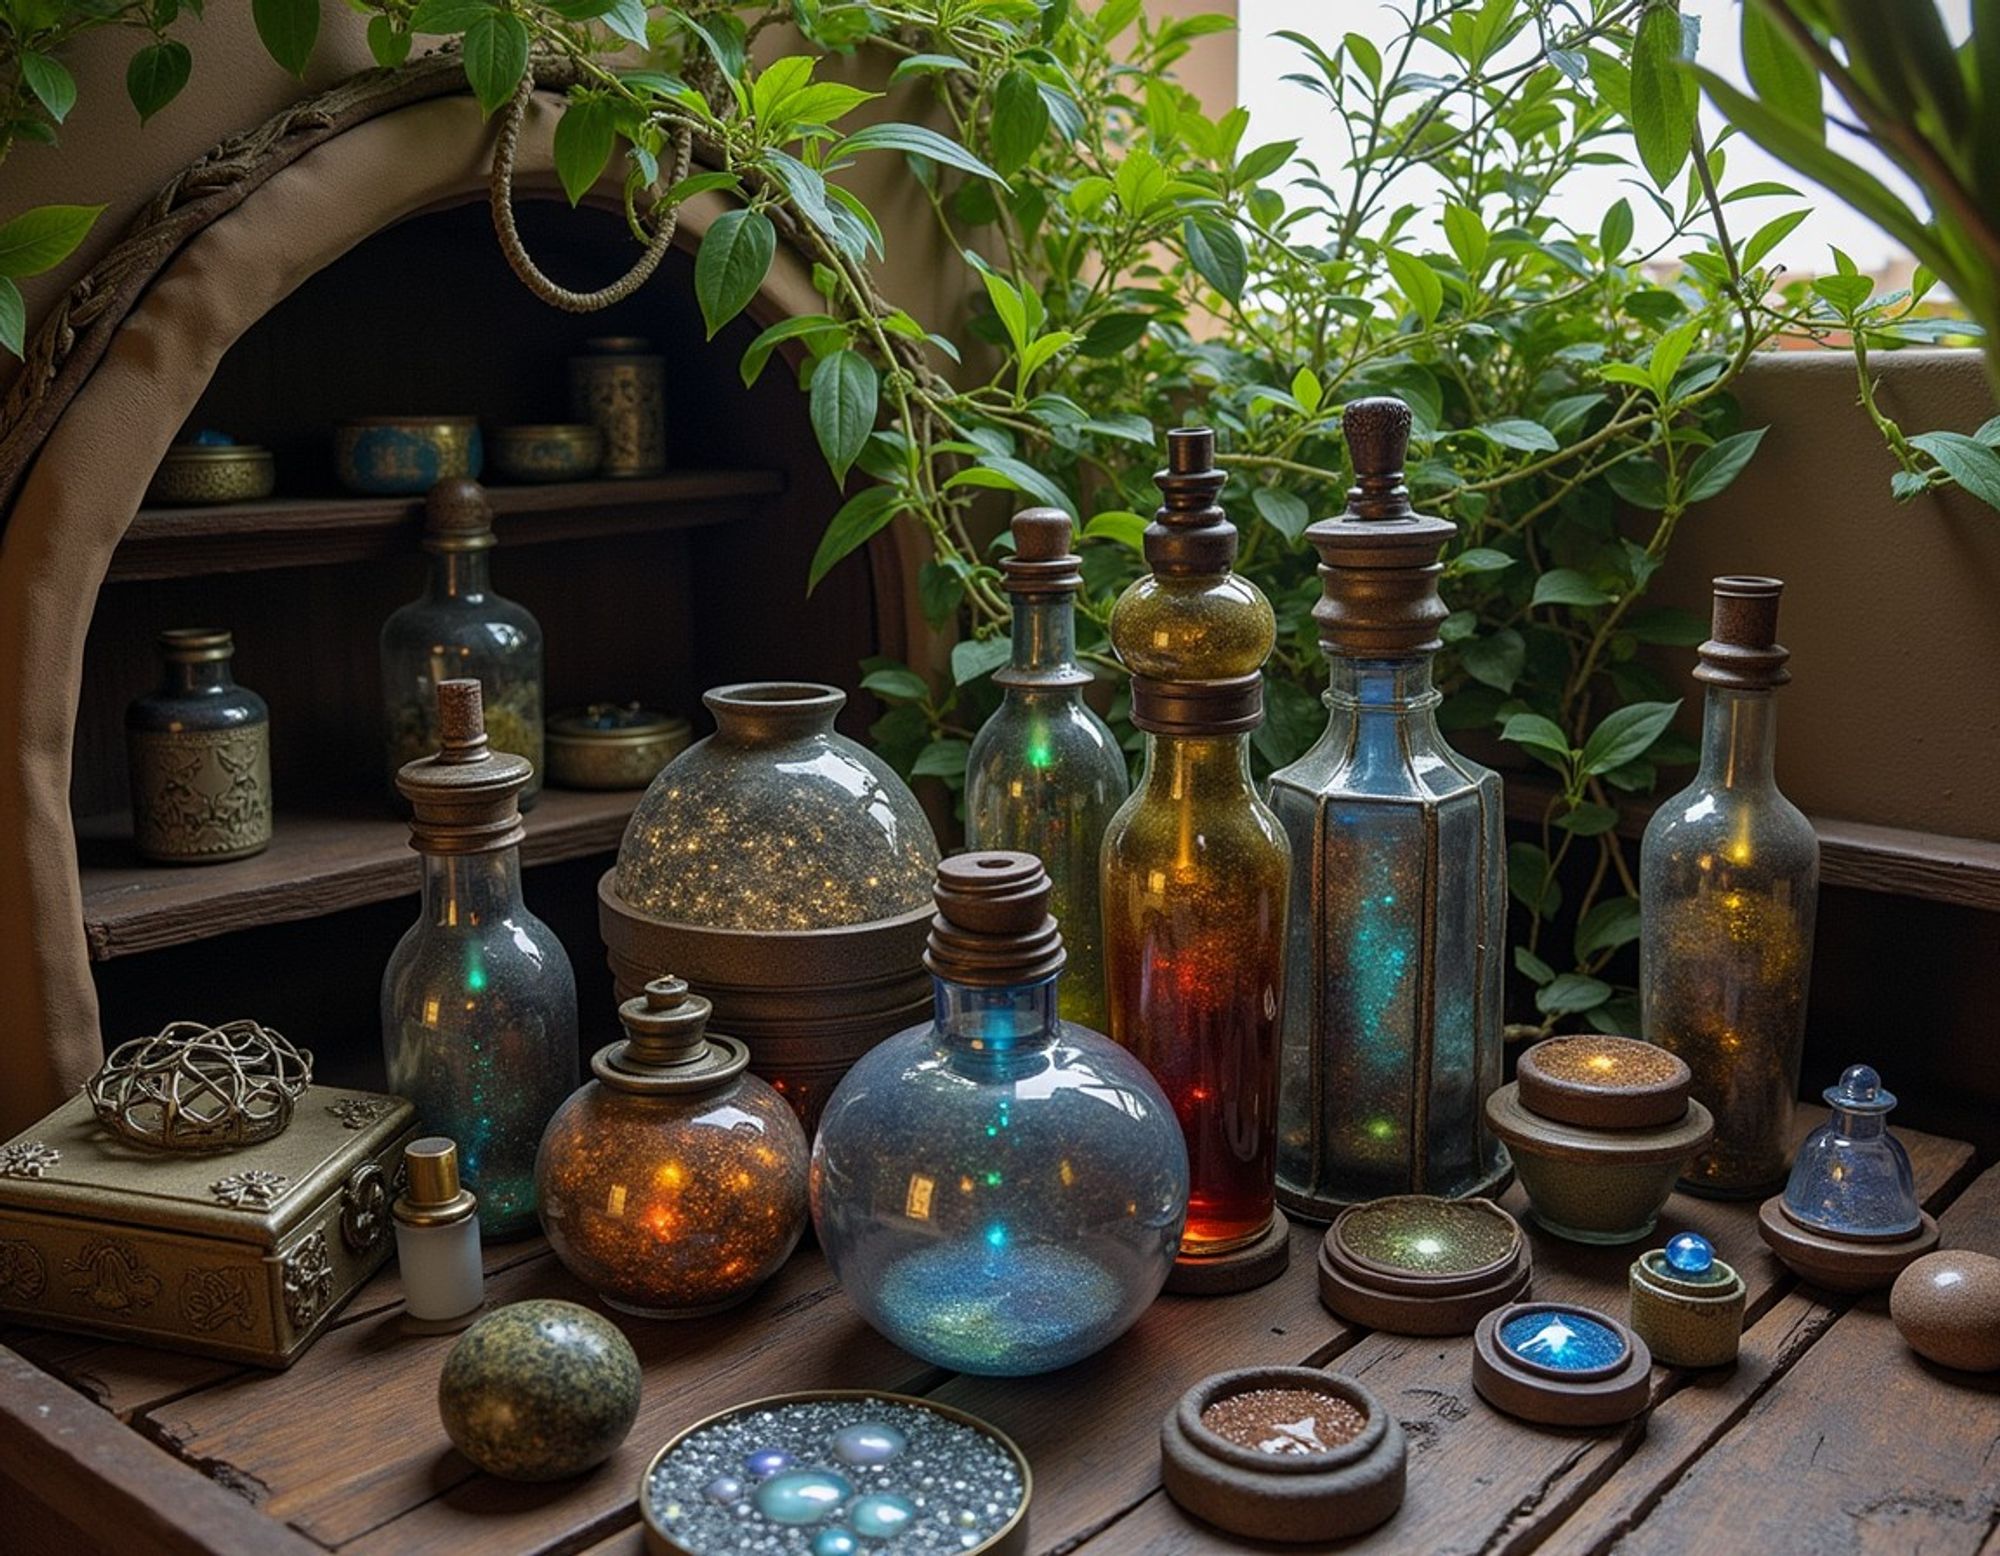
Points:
(724, 1488)
(880, 1517)
(1691, 1255)
(868, 1443)
(835, 1541)
(802, 1496)
(768, 1461)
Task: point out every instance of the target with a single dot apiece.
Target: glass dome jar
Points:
(997, 1190)
(1852, 1177)
(674, 1184)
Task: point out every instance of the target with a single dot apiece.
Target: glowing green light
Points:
(1381, 1129)
(475, 979)
(993, 1180)
(991, 1131)
(1040, 754)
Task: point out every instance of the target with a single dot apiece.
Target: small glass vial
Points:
(1046, 774)
(1195, 866)
(200, 753)
(1729, 881)
(461, 628)
(1852, 1177)
(479, 1021)
(437, 1239)
(1393, 1036)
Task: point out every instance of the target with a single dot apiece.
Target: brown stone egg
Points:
(1947, 1305)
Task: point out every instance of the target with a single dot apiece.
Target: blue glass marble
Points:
(768, 1461)
(802, 1496)
(1852, 1177)
(881, 1517)
(1691, 1256)
(867, 1443)
(1564, 1339)
(724, 1488)
(835, 1541)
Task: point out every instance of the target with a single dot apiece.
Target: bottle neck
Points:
(1197, 769)
(460, 575)
(1384, 688)
(994, 1023)
(1044, 632)
(201, 677)
(1860, 1126)
(465, 891)
(1739, 739)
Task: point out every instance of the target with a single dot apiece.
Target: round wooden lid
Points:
(1603, 1082)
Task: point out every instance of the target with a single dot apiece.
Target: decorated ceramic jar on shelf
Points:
(200, 752)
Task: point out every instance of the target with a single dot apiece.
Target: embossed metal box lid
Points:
(244, 1254)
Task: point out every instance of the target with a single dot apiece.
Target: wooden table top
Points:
(1829, 1435)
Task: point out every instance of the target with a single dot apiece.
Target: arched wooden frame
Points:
(106, 386)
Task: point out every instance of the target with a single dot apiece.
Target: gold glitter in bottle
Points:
(1729, 880)
(1195, 868)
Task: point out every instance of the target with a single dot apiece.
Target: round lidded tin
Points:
(1601, 1082)
(1417, 1264)
(391, 456)
(1283, 1453)
(838, 1470)
(210, 472)
(618, 384)
(612, 745)
(547, 451)
(1687, 1305)
(1560, 1365)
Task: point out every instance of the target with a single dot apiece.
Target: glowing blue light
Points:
(996, 1235)
(1691, 1254)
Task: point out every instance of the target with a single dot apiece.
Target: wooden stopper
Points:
(993, 927)
(1377, 431)
(1042, 563)
(461, 712)
(1190, 533)
(1744, 652)
(1041, 534)
(457, 516)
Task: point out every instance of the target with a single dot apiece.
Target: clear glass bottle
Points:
(199, 747)
(1392, 1037)
(1729, 882)
(479, 1024)
(1195, 866)
(1852, 1177)
(460, 628)
(998, 1190)
(1045, 773)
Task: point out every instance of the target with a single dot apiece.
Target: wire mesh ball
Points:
(194, 1087)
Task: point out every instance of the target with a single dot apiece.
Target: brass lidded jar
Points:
(618, 384)
(200, 752)
(674, 1184)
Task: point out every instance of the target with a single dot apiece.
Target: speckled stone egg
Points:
(1947, 1305)
(539, 1390)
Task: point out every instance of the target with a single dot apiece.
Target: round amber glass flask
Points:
(675, 1182)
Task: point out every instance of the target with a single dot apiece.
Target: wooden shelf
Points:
(316, 864)
(305, 531)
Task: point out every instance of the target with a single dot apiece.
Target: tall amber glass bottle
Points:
(1728, 885)
(1046, 774)
(1195, 867)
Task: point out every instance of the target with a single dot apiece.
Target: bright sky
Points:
(1281, 110)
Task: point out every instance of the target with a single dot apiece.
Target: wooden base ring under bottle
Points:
(1841, 1263)
(1256, 1263)
(1560, 1365)
(1419, 1265)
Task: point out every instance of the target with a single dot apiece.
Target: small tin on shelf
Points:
(1284, 1453)
(1560, 1365)
(546, 451)
(1420, 1265)
(1687, 1305)
(1599, 1128)
(405, 456)
(612, 745)
(211, 468)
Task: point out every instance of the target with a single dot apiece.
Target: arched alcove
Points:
(351, 271)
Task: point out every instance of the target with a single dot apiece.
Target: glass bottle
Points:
(1392, 1033)
(1729, 880)
(673, 1183)
(478, 1000)
(998, 1190)
(1852, 1177)
(437, 1238)
(1195, 867)
(199, 747)
(460, 627)
(1045, 773)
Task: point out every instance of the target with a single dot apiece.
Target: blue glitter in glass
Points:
(1562, 1338)
(802, 1496)
(835, 1542)
(768, 1461)
(1690, 1255)
(881, 1517)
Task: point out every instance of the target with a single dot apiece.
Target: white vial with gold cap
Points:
(437, 1239)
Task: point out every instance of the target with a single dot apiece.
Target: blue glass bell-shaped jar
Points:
(1852, 1177)
(1392, 1017)
(998, 1191)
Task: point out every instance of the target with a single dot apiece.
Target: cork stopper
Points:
(1744, 654)
(195, 645)
(465, 799)
(1189, 533)
(434, 1196)
(667, 1046)
(1379, 565)
(993, 928)
(457, 517)
(1042, 563)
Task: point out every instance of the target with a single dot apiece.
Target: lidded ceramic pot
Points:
(785, 873)
(1599, 1128)
(1687, 1305)
(1560, 1365)
(199, 747)
(1420, 1264)
(673, 1183)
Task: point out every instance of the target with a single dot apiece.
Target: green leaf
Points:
(1020, 120)
(1664, 96)
(859, 518)
(54, 87)
(1988, 432)
(978, 656)
(156, 75)
(1530, 880)
(1113, 333)
(1587, 819)
(1625, 735)
(928, 64)
(824, 102)
(627, 19)
(914, 140)
(1468, 237)
(1786, 81)
(1843, 293)
(1615, 231)
(1480, 559)
(586, 134)
(1307, 390)
(1417, 282)
(1495, 661)
(1772, 233)
(845, 394)
(1566, 586)
(1515, 432)
(940, 589)
(496, 56)
(1532, 967)
(43, 237)
(1216, 252)
(1640, 481)
(389, 43)
(1571, 992)
(1286, 512)
(735, 256)
(1000, 472)
(289, 29)
(1127, 529)
(1668, 625)
(1720, 463)
(1967, 461)
(700, 183)
(1531, 729)
(758, 352)
(941, 759)
(13, 316)
(1607, 926)
(1669, 352)
(902, 684)
(1263, 161)
(437, 18)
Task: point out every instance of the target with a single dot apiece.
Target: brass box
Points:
(243, 1254)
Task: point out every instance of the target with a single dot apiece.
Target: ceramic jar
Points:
(199, 747)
